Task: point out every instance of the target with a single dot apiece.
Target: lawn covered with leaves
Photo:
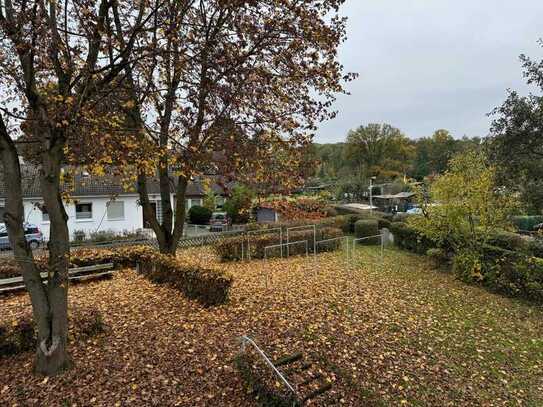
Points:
(384, 334)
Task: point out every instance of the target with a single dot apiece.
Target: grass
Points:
(395, 332)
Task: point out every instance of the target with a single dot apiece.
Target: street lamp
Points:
(371, 194)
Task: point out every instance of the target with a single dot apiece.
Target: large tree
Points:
(378, 149)
(516, 145)
(236, 88)
(57, 63)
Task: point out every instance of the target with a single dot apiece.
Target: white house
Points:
(98, 203)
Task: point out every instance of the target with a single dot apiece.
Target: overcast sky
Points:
(429, 64)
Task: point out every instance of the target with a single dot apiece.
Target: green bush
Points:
(400, 217)
(198, 215)
(535, 247)
(383, 223)
(505, 271)
(507, 240)
(230, 249)
(438, 255)
(407, 238)
(366, 228)
(527, 223)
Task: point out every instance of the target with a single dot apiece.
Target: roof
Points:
(401, 195)
(92, 185)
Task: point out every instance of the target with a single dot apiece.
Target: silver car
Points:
(33, 235)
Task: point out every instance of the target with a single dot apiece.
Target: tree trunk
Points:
(170, 231)
(49, 303)
(52, 355)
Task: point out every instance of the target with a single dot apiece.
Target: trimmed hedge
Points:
(507, 240)
(366, 228)
(199, 215)
(230, 249)
(407, 238)
(383, 223)
(206, 285)
(527, 223)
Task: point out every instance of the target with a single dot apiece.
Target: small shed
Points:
(266, 215)
(399, 202)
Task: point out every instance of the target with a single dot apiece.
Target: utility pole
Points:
(371, 194)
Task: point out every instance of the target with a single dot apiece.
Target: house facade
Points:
(99, 204)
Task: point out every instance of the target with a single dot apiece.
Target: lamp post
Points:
(371, 194)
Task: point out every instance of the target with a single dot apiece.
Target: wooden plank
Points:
(72, 271)
(77, 270)
(12, 289)
(91, 276)
(11, 280)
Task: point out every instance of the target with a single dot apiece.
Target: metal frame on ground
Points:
(314, 227)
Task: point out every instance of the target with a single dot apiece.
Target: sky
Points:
(431, 64)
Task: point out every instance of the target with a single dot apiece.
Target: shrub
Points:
(438, 255)
(400, 217)
(198, 215)
(366, 228)
(17, 338)
(350, 220)
(507, 240)
(535, 247)
(526, 222)
(501, 270)
(383, 223)
(238, 205)
(207, 286)
(230, 249)
(79, 236)
(331, 212)
(408, 238)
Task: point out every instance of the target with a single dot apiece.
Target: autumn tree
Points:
(464, 207)
(236, 88)
(57, 62)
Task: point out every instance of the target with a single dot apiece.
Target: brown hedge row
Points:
(206, 285)
(231, 249)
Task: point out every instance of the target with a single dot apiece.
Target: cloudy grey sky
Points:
(429, 64)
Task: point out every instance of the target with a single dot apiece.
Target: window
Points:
(115, 210)
(44, 214)
(195, 202)
(83, 211)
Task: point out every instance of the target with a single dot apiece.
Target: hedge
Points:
(527, 223)
(366, 228)
(206, 285)
(231, 249)
(407, 238)
(199, 215)
(505, 271)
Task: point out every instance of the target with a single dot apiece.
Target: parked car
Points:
(33, 235)
(219, 222)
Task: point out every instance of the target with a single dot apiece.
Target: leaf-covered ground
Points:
(397, 333)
